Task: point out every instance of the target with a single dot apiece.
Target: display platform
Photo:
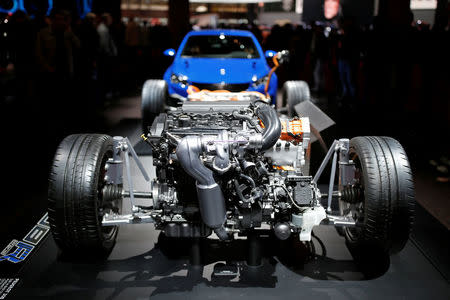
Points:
(144, 264)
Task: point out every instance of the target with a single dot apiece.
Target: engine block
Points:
(230, 166)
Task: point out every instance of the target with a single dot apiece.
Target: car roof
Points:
(221, 31)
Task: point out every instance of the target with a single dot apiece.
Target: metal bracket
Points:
(341, 146)
(137, 160)
(123, 145)
(339, 221)
(307, 220)
(325, 161)
(135, 218)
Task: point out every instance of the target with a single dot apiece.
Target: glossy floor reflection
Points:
(145, 264)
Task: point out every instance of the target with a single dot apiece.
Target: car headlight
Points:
(260, 81)
(179, 79)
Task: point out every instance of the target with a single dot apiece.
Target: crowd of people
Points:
(373, 64)
(49, 58)
(90, 61)
(347, 62)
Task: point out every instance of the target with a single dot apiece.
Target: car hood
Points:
(212, 70)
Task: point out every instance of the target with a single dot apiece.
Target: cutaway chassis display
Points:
(230, 167)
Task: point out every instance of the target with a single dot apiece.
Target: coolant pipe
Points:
(210, 196)
(272, 125)
(247, 118)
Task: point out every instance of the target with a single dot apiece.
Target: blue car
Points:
(219, 59)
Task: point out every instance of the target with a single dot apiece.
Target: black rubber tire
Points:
(295, 92)
(388, 195)
(154, 96)
(74, 198)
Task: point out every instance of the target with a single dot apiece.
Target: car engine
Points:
(229, 167)
(226, 165)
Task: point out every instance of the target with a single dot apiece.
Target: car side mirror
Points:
(169, 52)
(270, 53)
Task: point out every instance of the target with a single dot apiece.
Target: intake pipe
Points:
(272, 124)
(210, 197)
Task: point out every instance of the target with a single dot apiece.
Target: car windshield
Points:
(220, 46)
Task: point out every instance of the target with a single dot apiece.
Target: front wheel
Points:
(75, 199)
(384, 209)
(295, 92)
(154, 94)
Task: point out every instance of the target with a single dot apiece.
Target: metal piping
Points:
(210, 196)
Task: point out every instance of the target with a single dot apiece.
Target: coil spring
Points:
(352, 194)
(112, 192)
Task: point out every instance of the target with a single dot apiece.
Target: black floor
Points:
(143, 265)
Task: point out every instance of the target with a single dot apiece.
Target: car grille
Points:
(219, 86)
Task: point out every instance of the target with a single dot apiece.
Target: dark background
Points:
(399, 70)
(362, 10)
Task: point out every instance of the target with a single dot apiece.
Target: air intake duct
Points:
(272, 125)
(210, 196)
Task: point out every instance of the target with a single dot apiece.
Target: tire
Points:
(295, 92)
(74, 198)
(388, 195)
(154, 95)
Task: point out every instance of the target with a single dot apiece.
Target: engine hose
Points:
(272, 124)
(188, 152)
(276, 65)
(210, 196)
(248, 119)
(249, 179)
